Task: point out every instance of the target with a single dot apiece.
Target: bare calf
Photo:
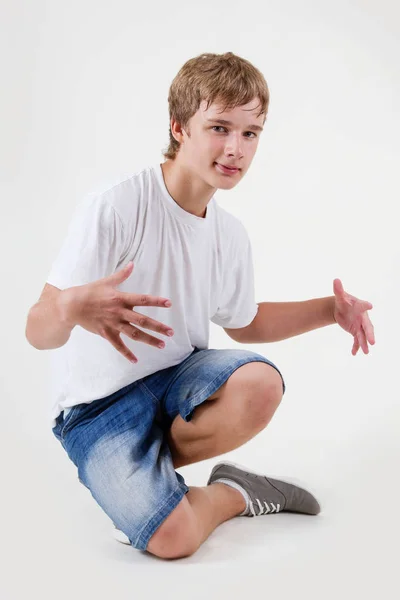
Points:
(241, 408)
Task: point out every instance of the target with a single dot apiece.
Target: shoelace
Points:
(264, 509)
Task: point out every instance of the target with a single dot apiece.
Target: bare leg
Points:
(238, 411)
(194, 519)
(214, 504)
(241, 408)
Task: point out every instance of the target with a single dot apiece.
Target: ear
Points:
(177, 131)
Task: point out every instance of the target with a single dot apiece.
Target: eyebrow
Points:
(224, 122)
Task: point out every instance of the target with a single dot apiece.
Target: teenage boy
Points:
(156, 253)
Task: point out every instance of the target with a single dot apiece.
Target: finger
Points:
(369, 328)
(120, 276)
(362, 341)
(339, 292)
(338, 288)
(356, 346)
(140, 336)
(145, 300)
(146, 322)
(119, 345)
(366, 334)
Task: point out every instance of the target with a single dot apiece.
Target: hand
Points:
(99, 308)
(351, 314)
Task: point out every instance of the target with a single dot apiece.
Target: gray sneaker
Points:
(266, 495)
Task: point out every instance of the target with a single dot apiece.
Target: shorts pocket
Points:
(68, 421)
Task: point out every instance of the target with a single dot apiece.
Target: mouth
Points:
(227, 170)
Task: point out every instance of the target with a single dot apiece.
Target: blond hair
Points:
(225, 78)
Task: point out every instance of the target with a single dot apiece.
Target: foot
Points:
(265, 495)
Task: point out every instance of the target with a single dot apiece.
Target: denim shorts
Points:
(118, 442)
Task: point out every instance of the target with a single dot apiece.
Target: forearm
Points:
(276, 321)
(50, 322)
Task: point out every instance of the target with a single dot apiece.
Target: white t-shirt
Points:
(202, 265)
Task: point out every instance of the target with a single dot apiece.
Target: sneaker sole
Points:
(290, 480)
(120, 536)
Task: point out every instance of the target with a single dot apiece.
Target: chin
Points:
(226, 185)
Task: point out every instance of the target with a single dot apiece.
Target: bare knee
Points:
(178, 536)
(262, 391)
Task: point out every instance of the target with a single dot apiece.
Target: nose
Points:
(234, 146)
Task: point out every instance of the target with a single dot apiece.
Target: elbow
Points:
(238, 335)
(28, 333)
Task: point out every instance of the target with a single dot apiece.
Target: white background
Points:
(83, 104)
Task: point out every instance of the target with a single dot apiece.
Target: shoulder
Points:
(122, 196)
(232, 226)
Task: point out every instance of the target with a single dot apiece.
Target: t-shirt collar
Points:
(178, 211)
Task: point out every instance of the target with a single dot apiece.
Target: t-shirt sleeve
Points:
(93, 247)
(237, 307)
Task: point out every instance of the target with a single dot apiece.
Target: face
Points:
(211, 144)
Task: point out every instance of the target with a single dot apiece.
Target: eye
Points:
(221, 127)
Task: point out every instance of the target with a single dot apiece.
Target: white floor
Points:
(58, 543)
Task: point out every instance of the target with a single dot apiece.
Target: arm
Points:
(92, 248)
(276, 321)
(49, 322)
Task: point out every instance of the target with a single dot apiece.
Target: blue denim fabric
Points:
(118, 443)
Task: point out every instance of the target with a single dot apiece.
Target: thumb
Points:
(120, 276)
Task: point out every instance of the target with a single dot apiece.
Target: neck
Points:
(187, 189)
